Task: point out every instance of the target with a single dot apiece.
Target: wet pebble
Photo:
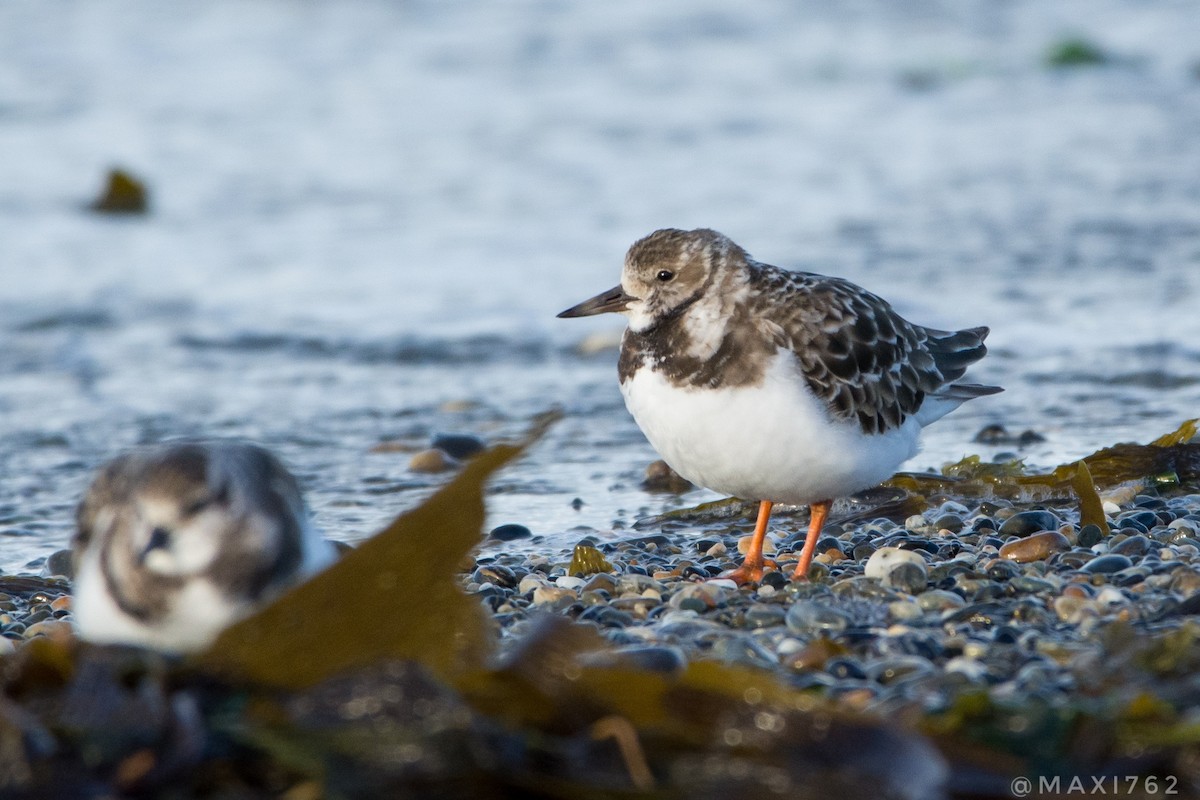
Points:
(432, 461)
(1089, 535)
(510, 532)
(810, 616)
(661, 478)
(1035, 547)
(459, 446)
(909, 577)
(60, 563)
(1024, 523)
(886, 559)
(1106, 564)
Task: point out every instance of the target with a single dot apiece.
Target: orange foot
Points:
(748, 573)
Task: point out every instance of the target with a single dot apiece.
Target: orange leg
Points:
(753, 565)
(817, 512)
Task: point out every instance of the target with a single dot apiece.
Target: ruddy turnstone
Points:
(773, 385)
(177, 541)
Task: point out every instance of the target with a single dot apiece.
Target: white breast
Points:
(774, 441)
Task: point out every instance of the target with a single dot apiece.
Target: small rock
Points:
(1090, 535)
(1107, 564)
(530, 583)
(1037, 547)
(510, 532)
(904, 610)
(51, 629)
(1024, 523)
(60, 563)
(761, 615)
(744, 545)
(810, 616)
(886, 559)
(708, 595)
(1133, 546)
(460, 446)
(601, 581)
(940, 600)
(431, 461)
(1074, 610)
(553, 596)
(907, 577)
(570, 582)
(661, 478)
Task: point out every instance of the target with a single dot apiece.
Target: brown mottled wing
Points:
(860, 357)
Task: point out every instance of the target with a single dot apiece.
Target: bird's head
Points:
(664, 274)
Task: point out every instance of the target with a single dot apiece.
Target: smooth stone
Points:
(1031, 585)
(1035, 547)
(1139, 519)
(743, 545)
(886, 559)
(531, 582)
(460, 446)
(1024, 523)
(1107, 564)
(497, 574)
(431, 461)
(807, 616)
(909, 577)
(552, 596)
(949, 522)
(972, 670)
(50, 628)
(60, 563)
(761, 615)
(653, 658)
(607, 617)
(510, 532)
(1003, 570)
(707, 595)
(904, 610)
(572, 582)
(601, 581)
(890, 670)
(1185, 581)
(940, 600)
(846, 669)
(1090, 535)
(1074, 610)
(661, 478)
(1133, 546)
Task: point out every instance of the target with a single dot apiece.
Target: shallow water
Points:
(365, 218)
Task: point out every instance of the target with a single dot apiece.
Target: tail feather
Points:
(954, 351)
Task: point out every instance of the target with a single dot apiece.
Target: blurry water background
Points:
(365, 216)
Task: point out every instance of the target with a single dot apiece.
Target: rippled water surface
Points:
(366, 215)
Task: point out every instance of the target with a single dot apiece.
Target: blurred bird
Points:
(177, 541)
(773, 385)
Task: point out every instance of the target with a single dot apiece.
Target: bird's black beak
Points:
(614, 299)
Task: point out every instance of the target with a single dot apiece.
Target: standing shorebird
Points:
(773, 385)
(177, 541)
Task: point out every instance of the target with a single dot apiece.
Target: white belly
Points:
(774, 441)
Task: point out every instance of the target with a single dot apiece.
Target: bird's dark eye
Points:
(665, 275)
